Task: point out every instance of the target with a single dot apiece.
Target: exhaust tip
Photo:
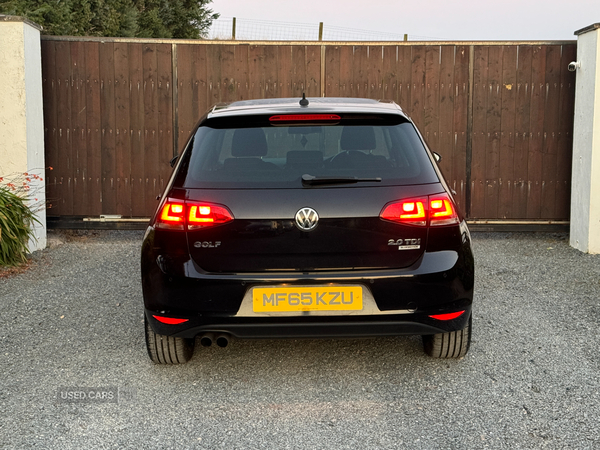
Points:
(206, 340)
(222, 340)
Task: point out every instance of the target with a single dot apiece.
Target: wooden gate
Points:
(117, 110)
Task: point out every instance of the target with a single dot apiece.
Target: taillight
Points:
(203, 215)
(435, 210)
(190, 215)
(442, 210)
(406, 211)
(172, 216)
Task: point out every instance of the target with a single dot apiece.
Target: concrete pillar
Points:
(21, 113)
(585, 185)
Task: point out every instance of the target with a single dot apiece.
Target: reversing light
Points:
(311, 118)
(448, 316)
(190, 215)
(170, 320)
(435, 210)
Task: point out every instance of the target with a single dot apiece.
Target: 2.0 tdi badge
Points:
(406, 244)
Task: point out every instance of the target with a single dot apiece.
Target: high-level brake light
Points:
(309, 118)
(190, 215)
(434, 210)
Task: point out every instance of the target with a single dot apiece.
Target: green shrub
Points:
(16, 221)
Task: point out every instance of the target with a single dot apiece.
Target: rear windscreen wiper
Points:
(311, 180)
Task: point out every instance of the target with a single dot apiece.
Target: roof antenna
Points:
(303, 102)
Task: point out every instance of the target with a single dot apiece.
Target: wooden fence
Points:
(500, 114)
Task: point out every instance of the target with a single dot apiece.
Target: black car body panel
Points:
(408, 272)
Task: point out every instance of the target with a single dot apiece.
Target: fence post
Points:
(585, 185)
(21, 113)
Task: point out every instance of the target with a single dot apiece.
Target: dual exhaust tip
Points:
(207, 339)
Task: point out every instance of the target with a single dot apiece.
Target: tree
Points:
(185, 19)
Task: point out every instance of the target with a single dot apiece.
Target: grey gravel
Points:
(530, 379)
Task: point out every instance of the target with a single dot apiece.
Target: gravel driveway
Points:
(531, 379)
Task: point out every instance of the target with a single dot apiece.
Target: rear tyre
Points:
(167, 349)
(454, 344)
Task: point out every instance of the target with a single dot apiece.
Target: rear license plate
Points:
(288, 299)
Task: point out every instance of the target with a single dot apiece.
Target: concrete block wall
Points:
(21, 111)
(585, 185)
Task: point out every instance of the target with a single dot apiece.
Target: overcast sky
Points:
(447, 20)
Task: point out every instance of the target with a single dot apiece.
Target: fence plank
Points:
(332, 71)
(50, 99)
(151, 152)
(417, 80)
(299, 71)
(479, 138)
(228, 83)
(186, 93)
(94, 128)
(241, 72)
(565, 133)
(431, 99)
(256, 71)
(78, 125)
(284, 70)
(122, 127)
(200, 89)
(493, 123)
(108, 132)
(64, 171)
(389, 78)
(374, 72)
(522, 132)
(313, 70)
(136, 131)
(461, 98)
(165, 120)
(508, 89)
(346, 75)
(536, 144)
(404, 73)
(445, 113)
(551, 114)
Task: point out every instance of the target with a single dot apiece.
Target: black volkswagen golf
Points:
(320, 217)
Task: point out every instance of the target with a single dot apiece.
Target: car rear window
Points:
(253, 152)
